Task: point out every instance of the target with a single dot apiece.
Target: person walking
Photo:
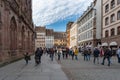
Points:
(118, 54)
(89, 54)
(107, 54)
(59, 52)
(85, 52)
(71, 52)
(38, 54)
(51, 54)
(26, 57)
(96, 53)
(76, 53)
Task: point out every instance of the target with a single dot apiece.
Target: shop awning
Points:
(105, 44)
(113, 44)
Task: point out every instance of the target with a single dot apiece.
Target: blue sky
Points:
(55, 14)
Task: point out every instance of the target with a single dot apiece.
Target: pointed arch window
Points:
(23, 38)
(0, 20)
(13, 34)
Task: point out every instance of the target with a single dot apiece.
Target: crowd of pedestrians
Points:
(64, 53)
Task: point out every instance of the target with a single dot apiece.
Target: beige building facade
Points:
(111, 23)
(60, 39)
(49, 39)
(89, 26)
(68, 33)
(73, 35)
(40, 37)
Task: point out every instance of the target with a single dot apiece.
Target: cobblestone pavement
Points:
(86, 70)
(47, 70)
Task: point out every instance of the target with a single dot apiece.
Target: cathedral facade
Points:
(16, 29)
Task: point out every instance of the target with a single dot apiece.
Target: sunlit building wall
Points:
(68, 27)
(49, 39)
(73, 35)
(111, 22)
(89, 26)
(40, 37)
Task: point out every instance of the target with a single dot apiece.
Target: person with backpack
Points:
(107, 55)
(118, 54)
(96, 53)
(27, 57)
(38, 54)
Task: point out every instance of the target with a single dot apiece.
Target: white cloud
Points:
(46, 12)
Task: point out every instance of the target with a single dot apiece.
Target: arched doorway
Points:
(13, 36)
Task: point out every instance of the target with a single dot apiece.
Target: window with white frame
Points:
(106, 21)
(118, 15)
(118, 1)
(106, 33)
(112, 32)
(107, 8)
(112, 18)
(112, 4)
(118, 30)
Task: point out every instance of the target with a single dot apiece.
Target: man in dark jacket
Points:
(107, 54)
(38, 54)
(96, 53)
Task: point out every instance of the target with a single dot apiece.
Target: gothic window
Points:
(112, 18)
(23, 37)
(13, 34)
(118, 30)
(106, 33)
(112, 4)
(0, 21)
(107, 8)
(112, 32)
(118, 15)
(106, 21)
(0, 41)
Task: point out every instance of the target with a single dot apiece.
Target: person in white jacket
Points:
(59, 52)
(118, 54)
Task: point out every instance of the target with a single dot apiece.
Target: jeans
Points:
(76, 57)
(88, 57)
(58, 56)
(118, 58)
(85, 57)
(95, 60)
(108, 58)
